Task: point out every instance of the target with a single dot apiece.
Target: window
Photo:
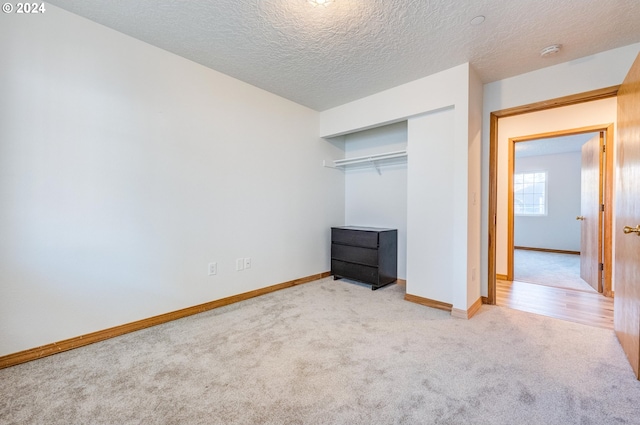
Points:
(530, 193)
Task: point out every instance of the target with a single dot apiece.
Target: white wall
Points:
(378, 200)
(447, 276)
(569, 117)
(558, 229)
(430, 241)
(604, 69)
(125, 170)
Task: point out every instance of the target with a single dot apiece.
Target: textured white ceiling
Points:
(326, 56)
(553, 145)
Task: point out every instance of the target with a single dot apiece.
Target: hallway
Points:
(591, 309)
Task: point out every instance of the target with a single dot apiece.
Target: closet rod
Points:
(370, 158)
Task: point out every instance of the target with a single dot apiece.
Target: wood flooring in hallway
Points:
(566, 304)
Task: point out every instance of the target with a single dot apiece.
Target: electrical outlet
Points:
(239, 264)
(247, 263)
(213, 269)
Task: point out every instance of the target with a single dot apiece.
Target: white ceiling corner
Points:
(322, 57)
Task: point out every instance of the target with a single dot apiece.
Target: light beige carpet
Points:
(550, 269)
(332, 352)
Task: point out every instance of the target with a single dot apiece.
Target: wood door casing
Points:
(590, 201)
(626, 316)
(494, 118)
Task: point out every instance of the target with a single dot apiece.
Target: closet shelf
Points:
(372, 159)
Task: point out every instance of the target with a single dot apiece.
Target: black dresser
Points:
(365, 254)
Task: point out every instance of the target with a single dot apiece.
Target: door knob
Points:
(629, 229)
(580, 217)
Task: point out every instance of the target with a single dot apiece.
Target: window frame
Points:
(545, 203)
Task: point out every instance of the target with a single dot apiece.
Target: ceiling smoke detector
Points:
(550, 50)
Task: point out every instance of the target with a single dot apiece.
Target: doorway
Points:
(495, 117)
(546, 204)
(557, 198)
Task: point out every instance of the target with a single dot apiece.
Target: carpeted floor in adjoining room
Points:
(549, 268)
(334, 352)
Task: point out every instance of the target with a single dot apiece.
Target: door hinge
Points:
(601, 266)
(601, 207)
(604, 148)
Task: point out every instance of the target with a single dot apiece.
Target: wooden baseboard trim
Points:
(501, 277)
(475, 308)
(401, 281)
(428, 302)
(79, 341)
(485, 300)
(468, 313)
(556, 251)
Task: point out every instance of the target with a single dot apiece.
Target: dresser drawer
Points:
(355, 254)
(354, 237)
(354, 271)
(366, 254)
